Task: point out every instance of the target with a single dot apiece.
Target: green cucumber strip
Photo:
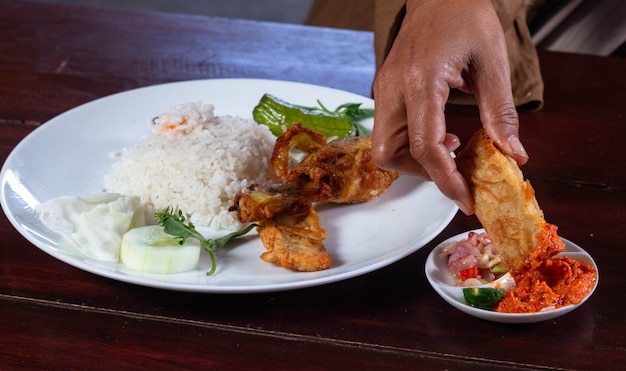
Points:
(483, 297)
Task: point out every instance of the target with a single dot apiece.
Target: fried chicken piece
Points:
(505, 203)
(296, 137)
(344, 172)
(340, 172)
(294, 240)
(262, 201)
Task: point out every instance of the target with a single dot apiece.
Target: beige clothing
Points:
(384, 17)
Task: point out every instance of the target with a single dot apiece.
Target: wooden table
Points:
(54, 316)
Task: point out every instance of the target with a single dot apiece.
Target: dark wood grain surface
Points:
(55, 316)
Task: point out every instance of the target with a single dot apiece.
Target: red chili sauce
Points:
(547, 281)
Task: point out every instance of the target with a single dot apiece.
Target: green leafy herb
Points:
(174, 224)
(352, 111)
(341, 122)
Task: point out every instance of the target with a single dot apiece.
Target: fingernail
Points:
(517, 147)
(464, 208)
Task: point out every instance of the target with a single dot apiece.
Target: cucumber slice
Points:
(499, 268)
(483, 297)
(149, 249)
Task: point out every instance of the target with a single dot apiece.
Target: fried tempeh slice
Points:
(505, 203)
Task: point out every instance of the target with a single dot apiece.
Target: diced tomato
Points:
(468, 273)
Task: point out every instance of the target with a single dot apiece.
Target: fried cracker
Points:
(505, 203)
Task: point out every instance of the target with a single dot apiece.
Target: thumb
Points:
(498, 113)
(502, 125)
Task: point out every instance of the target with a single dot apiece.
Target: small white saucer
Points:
(443, 283)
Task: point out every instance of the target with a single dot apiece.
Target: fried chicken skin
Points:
(294, 240)
(339, 172)
(262, 201)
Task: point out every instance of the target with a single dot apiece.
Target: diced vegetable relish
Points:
(473, 261)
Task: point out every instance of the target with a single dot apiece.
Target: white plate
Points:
(443, 283)
(69, 155)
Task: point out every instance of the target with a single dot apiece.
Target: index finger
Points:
(390, 140)
(427, 138)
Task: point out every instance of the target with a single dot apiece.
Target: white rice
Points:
(198, 166)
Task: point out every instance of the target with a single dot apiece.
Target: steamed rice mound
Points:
(196, 162)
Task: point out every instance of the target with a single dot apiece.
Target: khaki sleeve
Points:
(525, 70)
(387, 20)
(384, 17)
(350, 14)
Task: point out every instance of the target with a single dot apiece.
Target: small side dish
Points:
(447, 285)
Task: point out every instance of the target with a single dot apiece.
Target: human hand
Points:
(441, 45)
